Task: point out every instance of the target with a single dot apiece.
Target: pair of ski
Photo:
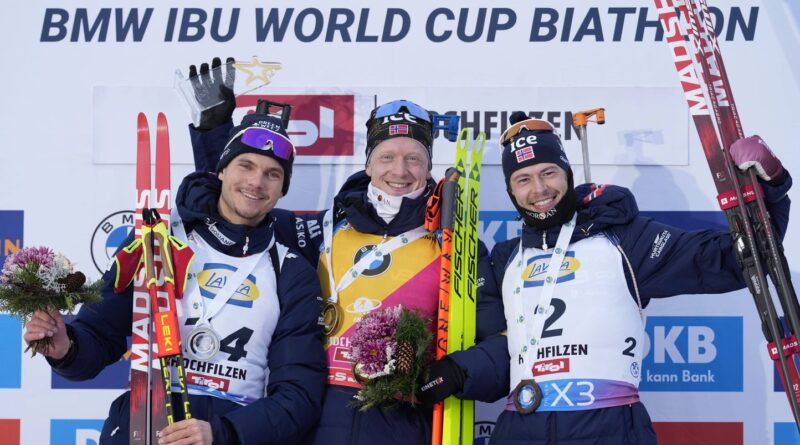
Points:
(156, 263)
(758, 248)
(454, 210)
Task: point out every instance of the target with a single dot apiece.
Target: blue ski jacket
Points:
(485, 364)
(297, 369)
(689, 262)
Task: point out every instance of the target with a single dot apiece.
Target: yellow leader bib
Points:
(408, 275)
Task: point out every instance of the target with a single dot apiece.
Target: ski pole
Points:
(579, 120)
(769, 246)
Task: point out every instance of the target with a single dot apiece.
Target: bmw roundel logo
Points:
(109, 236)
(378, 266)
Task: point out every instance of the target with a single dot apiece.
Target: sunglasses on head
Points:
(267, 140)
(528, 124)
(394, 107)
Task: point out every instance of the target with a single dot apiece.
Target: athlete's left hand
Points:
(443, 378)
(187, 432)
(753, 152)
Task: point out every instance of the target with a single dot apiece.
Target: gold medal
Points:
(331, 318)
(358, 374)
(527, 396)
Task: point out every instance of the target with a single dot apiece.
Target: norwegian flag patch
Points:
(398, 129)
(524, 154)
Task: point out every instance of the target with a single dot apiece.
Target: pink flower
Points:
(373, 342)
(42, 256)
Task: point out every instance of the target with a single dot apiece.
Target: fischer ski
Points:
(739, 194)
(458, 419)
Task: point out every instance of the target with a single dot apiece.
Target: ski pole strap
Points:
(377, 252)
(534, 326)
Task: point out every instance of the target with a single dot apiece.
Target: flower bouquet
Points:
(389, 349)
(37, 279)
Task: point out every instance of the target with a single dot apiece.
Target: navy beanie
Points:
(401, 124)
(235, 146)
(529, 147)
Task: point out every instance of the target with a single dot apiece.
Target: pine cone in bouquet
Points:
(405, 357)
(390, 348)
(73, 282)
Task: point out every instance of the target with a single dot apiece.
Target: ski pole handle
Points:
(579, 120)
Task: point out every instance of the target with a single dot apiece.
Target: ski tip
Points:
(141, 119)
(162, 119)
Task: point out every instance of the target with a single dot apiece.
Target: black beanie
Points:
(235, 146)
(536, 142)
(400, 124)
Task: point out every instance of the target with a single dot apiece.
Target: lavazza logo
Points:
(109, 235)
(320, 125)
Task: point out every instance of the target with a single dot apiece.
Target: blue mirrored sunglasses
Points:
(392, 108)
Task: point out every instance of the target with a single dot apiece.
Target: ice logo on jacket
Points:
(537, 267)
(213, 278)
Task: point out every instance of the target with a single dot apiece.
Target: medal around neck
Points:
(331, 318)
(527, 396)
(203, 343)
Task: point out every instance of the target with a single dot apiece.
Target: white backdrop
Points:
(73, 82)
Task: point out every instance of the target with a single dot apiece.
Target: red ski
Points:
(148, 416)
(739, 194)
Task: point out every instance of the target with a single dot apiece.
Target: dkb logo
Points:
(693, 354)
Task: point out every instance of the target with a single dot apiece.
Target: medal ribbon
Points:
(363, 263)
(534, 326)
(231, 284)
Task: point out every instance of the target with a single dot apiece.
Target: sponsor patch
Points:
(659, 243)
(536, 271)
(213, 278)
(555, 366)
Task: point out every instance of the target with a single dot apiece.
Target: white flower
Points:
(50, 275)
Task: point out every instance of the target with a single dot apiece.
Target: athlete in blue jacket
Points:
(588, 258)
(264, 383)
(383, 202)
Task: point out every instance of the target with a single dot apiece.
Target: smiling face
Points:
(539, 187)
(399, 166)
(251, 186)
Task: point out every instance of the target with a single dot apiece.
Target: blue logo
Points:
(75, 431)
(115, 376)
(11, 352)
(11, 228)
(110, 235)
(498, 226)
(786, 434)
(693, 354)
(483, 431)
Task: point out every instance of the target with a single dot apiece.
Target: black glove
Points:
(444, 378)
(210, 87)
